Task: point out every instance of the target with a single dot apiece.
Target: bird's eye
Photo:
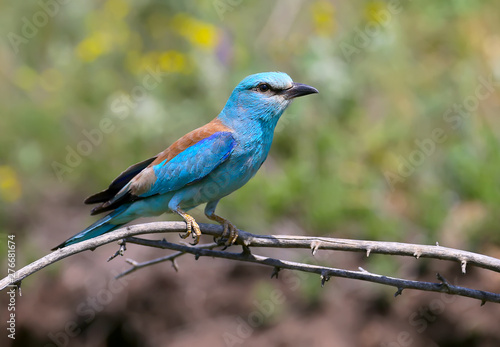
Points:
(263, 87)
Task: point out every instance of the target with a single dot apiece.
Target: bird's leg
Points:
(193, 228)
(230, 231)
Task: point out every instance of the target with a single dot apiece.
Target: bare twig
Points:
(171, 257)
(248, 240)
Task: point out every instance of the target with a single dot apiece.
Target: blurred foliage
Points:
(387, 75)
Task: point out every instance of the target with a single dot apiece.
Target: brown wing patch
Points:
(190, 139)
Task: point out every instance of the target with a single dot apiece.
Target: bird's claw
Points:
(193, 229)
(229, 234)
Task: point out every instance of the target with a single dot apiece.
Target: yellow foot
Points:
(230, 232)
(192, 228)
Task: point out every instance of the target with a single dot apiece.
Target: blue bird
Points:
(204, 165)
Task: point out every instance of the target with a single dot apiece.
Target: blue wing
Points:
(192, 164)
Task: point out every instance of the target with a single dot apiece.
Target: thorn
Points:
(174, 265)
(437, 243)
(398, 292)
(120, 250)
(324, 278)
(314, 247)
(275, 273)
(464, 266)
(417, 254)
(362, 270)
(368, 251)
(196, 256)
(483, 302)
(444, 282)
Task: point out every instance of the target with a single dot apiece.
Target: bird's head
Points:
(263, 97)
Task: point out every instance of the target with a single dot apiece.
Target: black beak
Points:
(299, 89)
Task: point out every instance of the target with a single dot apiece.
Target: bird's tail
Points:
(100, 227)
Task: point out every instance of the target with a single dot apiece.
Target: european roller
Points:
(204, 165)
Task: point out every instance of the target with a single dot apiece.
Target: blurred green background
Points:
(401, 144)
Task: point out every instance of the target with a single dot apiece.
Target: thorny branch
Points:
(249, 241)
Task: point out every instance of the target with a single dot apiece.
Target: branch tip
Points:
(314, 247)
(175, 266)
(324, 278)
(131, 262)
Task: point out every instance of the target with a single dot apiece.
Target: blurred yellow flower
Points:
(372, 10)
(200, 34)
(10, 187)
(173, 61)
(91, 48)
(107, 31)
(168, 61)
(323, 14)
(204, 36)
(25, 77)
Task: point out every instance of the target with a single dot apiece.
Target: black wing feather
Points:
(118, 183)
